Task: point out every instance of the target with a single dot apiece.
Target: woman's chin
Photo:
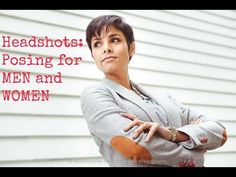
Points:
(110, 70)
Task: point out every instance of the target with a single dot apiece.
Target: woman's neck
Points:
(122, 80)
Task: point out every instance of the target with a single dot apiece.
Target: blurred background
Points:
(190, 54)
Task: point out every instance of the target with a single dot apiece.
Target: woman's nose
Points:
(107, 48)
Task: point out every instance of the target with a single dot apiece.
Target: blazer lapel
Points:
(166, 105)
(131, 96)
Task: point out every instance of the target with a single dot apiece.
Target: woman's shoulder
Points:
(156, 92)
(94, 89)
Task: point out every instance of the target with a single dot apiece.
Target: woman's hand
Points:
(150, 127)
(154, 127)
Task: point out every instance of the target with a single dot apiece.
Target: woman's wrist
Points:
(164, 133)
(181, 137)
(171, 134)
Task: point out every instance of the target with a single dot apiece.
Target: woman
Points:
(132, 126)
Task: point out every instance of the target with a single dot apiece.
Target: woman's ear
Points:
(132, 49)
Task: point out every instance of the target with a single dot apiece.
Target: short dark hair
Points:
(96, 25)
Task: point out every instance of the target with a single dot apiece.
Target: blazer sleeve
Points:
(102, 114)
(208, 135)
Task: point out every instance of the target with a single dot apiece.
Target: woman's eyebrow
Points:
(99, 38)
(96, 38)
(112, 35)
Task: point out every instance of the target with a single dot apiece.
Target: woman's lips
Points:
(110, 58)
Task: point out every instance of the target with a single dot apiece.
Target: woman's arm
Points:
(205, 133)
(153, 128)
(104, 121)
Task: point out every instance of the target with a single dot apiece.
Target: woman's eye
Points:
(115, 40)
(96, 44)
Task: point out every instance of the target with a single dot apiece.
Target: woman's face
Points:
(110, 51)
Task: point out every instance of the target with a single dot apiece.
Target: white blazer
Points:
(101, 106)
